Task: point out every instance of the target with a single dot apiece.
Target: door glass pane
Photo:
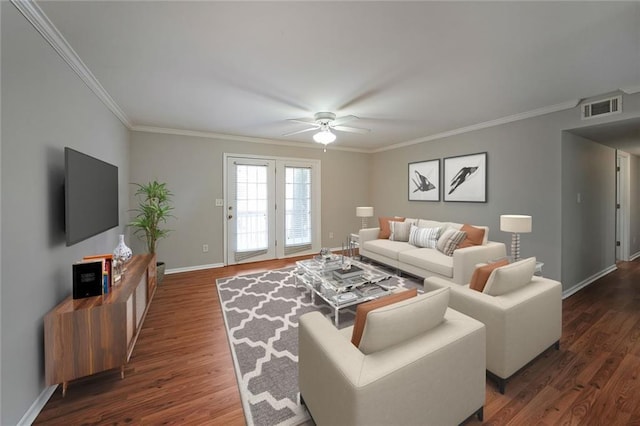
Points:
(297, 206)
(251, 214)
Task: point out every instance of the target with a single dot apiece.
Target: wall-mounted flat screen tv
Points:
(91, 196)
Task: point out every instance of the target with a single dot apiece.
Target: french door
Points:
(272, 208)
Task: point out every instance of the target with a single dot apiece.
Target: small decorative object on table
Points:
(121, 255)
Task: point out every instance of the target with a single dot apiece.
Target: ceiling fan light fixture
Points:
(324, 137)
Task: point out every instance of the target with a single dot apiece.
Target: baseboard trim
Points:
(37, 406)
(193, 268)
(582, 284)
(634, 256)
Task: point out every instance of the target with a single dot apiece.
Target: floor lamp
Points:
(517, 224)
(364, 213)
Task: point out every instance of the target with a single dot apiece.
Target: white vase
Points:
(122, 253)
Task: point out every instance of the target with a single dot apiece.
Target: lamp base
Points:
(364, 223)
(515, 247)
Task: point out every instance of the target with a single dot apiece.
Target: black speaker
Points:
(87, 279)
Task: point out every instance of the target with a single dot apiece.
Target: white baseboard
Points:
(634, 256)
(582, 284)
(193, 268)
(37, 406)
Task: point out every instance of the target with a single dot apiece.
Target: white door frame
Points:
(623, 214)
(316, 207)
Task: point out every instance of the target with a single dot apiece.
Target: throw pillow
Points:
(363, 310)
(400, 231)
(510, 277)
(481, 274)
(387, 326)
(385, 230)
(474, 236)
(424, 237)
(449, 241)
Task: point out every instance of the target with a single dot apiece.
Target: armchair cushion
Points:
(401, 321)
(510, 277)
(363, 310)
(481, 274)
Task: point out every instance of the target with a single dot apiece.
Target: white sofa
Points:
(429, 262)
(434, 375)
(522, 321)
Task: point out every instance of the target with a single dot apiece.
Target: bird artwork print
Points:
(462, 176)
(424, 184)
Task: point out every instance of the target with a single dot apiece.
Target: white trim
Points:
(250, 139)
(37, 406)
(492, 123)
(630, 90)
(623, 214)
(573, 290)
(50, 33)
(193, 268)
(634, 256)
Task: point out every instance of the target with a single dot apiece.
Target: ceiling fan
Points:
(325, 122)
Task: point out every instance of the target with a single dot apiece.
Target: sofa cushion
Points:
(424, 237)
(400, 231)
(363, 310)
(387, 248)
(481, 274)
(475, 236)
(385, 230)
(401, 321)
(424, 223)
(449, 241)
(510, 277)
(428, 259)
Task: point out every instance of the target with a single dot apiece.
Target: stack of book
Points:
(352, 272)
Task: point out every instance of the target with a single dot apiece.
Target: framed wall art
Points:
(424, 181)
(465, 178)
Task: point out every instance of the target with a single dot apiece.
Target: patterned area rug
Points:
(261, 317)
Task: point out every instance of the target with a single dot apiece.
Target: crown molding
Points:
(630, 90)
(486, 124)
(222, 136)
(45, 27)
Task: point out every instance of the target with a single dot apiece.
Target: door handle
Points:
(230, 217)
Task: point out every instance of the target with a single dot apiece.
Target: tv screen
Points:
(91, 196)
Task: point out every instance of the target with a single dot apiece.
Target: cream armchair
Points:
(523, 319)
(404, 371)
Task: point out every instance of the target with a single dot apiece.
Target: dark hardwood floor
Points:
(181, 370)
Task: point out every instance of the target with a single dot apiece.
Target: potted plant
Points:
(154, 208)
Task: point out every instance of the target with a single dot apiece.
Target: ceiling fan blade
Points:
(341, 120)
(300, 131)
(304, 120)
(351, 129)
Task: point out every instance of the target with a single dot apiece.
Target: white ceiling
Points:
(409, 70)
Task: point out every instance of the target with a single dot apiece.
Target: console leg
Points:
(557, 345)
(64, 388)
(480, 414)
(122, 372)
(302, 400)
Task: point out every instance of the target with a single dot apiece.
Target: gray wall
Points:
(524, 177)
(588, 226)
(634, 205)
(45, 107)
(192, 168)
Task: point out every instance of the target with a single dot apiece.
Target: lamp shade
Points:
(516, 223)
(364, 211)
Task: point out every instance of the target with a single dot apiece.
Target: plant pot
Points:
(160, 272)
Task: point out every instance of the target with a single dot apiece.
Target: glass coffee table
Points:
(339, 287)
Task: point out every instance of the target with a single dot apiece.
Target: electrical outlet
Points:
(330, 235)
(205, 248)
(219, 202)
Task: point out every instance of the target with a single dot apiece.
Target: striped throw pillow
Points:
(399, 231)
(424, 237)
(450, 240)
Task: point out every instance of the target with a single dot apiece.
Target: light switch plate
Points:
(219, 202)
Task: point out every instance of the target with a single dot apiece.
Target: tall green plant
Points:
(154, 208)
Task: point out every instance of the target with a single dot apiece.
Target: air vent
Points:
(602, 108)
